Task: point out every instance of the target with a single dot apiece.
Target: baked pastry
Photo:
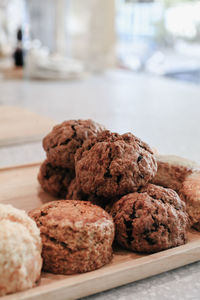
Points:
(172, 171)
(20, 251)
(190, 193)
(151, 220)
(111, 165)
(55, 180)
(182, 175)
(64, 139)
(76, 235)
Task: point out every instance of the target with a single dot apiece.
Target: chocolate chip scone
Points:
(111, 164)
(77, 236)
(151, 220)
(64, 139)
(55, 180)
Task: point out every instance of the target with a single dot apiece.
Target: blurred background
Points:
(67, 39)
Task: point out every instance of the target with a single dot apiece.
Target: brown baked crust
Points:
(182, 175)
(64, 139)
(151, 220)
(76, 235)
(190, 193)
(172, 171)
(111, 164)
(55, 180)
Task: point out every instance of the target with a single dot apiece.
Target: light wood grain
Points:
(18, 125)
(19, 187)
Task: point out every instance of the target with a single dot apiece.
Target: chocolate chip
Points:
(65, 142)
(107, 174)
(149, 240)
(129, 230)
(119, 177)
(140, 157)
(43, 213)
(64, 245)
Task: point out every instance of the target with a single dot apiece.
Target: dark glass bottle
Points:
(19, 54)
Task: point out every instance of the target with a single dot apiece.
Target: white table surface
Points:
(164, 113)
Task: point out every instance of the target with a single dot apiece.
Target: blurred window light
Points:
(134, 18)
(160, 37)
(182, 20)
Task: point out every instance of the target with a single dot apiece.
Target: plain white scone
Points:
(20, 250)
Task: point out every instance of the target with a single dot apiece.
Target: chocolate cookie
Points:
(55, 180)
(64, 139)
(76, 235)
(110, 164)
(151, 220)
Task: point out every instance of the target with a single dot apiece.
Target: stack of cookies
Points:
(61, 144)
(86, 162)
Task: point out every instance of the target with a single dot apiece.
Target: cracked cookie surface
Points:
(76, 235)
(55, 180)
(110, 164)
(151, 220)
(64, 139)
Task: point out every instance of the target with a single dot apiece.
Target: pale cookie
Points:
(172, 171)
(20, 251)
(190, 193)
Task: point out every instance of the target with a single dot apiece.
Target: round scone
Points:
(20, 251)
(151, 220)
(190, 193)
(64, 139)
(55, 180)
(172, 171)
(77, 236)
(111, 165)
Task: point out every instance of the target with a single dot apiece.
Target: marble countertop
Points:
(164, 113)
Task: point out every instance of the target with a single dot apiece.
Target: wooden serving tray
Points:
(18, 125)
(19, 187)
